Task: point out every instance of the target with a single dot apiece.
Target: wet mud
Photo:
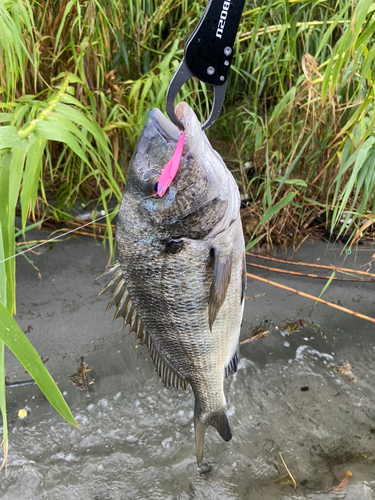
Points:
(293, 399)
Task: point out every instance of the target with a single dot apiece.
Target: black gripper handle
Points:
(209, 50)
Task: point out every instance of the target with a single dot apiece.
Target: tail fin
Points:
(217, 419)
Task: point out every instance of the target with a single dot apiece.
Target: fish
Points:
(180, 277)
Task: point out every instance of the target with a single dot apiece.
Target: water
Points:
(136, 439)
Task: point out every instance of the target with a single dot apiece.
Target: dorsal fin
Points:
(125, 308)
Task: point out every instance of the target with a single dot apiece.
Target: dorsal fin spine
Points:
(116, 277)
(121, 304)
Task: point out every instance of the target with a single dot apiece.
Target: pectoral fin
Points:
(220, 282)
(244, 278)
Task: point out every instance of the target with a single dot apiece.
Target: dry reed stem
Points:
(360, 232)
(288, 471)
(319, 266)
(81, 233)
(296, 273)
(312, 297)
(255, 337)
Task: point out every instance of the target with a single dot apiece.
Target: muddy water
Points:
(136, 437)
(137, 441)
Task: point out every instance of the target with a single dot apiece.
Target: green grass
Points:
(78, 79)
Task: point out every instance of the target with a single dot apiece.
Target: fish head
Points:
(203, 197)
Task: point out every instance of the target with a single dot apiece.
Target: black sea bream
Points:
(180, 278)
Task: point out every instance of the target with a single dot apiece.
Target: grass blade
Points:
(17, 342)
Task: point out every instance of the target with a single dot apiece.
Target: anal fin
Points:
(220, 421)
(233, 363)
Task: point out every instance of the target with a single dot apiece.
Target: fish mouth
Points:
(165, 127)
(168, 130)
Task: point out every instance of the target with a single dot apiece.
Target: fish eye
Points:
(152, 184)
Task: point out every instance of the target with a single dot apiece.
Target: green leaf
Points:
(328, 32)
(3, 407)
(66, 11)
(78, 117)
(15, 180)
(72, 78)
(329, 281)
(9, 138)
(6, 117)
(276, 208)
(252, 243)
(31, 178)
(67, 99)
(7, 228)
(3, 279)
(60, 134)
(283, 104)
(18, 343)
(145, 91)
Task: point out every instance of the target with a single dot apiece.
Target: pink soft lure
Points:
(170, 170)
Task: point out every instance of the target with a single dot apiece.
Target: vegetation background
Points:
(78, 78)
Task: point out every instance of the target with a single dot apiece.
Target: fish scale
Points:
(179, 282)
